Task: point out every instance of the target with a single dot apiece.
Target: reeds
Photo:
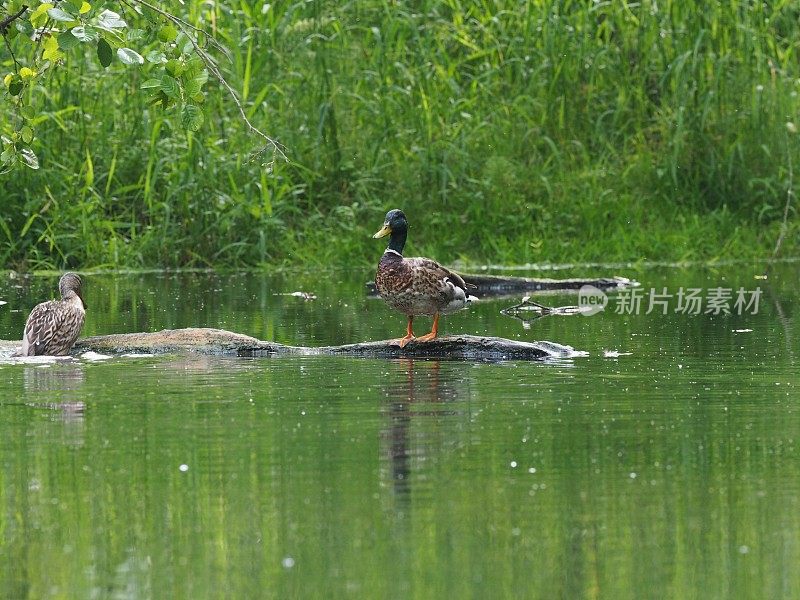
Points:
(510, 132)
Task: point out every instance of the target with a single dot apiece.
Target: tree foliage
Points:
(41, 37)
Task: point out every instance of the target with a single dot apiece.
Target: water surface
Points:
(663, 464)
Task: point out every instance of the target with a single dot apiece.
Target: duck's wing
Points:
(432, 271)
(51, 328)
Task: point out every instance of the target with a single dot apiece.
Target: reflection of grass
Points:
(522, 133)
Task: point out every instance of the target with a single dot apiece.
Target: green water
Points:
(671, 471)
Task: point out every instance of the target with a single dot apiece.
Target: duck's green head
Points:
(396, 225)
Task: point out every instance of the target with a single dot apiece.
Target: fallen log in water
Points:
(465, 347)
(227, 343)
(496, 285)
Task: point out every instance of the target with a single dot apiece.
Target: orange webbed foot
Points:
(402, 342)
(409, 334)
(434, 330)
(427, 337)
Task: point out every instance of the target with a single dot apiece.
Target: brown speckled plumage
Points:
(53, 326)
(416, 286)
(419, 286)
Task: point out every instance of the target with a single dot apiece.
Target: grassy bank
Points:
(509, 132)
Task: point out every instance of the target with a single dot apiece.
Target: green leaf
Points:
(192, 88)
(156, 57)
(191, 117)
(66, 40)
(39, 16)
(134, 35)
(151, 84)
(195, 85)
(15, 88)
(167, 33)
(59, 15)
(51, 51)
(184, 43)
(110, 21)
(28, 113)
(202, 77)
(104, 52)
(85, 34)
(76, 4)
(27, 134)
(170, 87)
(7, 156)
(194, 65)
(130, 57)
(175, 67)
(30, 158)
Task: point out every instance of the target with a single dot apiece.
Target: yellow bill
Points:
(385, 230)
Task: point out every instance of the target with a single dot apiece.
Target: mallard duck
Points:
(416, 286)
(53, 326)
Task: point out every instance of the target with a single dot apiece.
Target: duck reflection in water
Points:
(58, 386)
(415, 388)
(56, 393)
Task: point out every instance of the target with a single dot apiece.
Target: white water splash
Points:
(94, 356)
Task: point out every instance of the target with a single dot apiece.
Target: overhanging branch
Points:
(184, 26)
(6, 23)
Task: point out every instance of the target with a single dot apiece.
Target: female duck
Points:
(416, 286)
(53, 326)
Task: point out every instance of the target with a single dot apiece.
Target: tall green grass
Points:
(510, 132)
